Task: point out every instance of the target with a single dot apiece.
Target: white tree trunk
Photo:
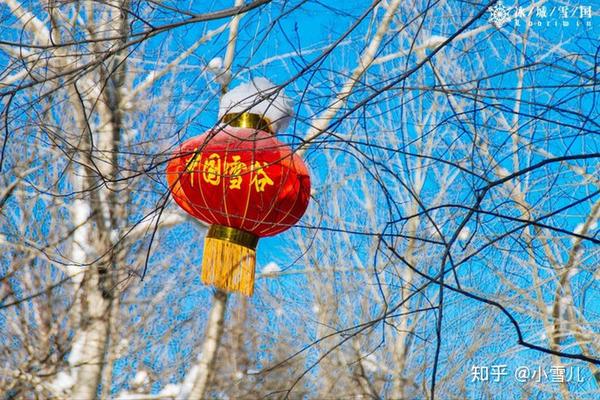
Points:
(212, 340)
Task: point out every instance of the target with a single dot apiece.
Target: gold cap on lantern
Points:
(248, 120)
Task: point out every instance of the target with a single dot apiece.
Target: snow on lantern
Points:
(242, 180)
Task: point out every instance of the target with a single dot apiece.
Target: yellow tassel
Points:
(229, 259)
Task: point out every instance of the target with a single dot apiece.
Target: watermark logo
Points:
(524, 373)
(578, 15)
(499, 14)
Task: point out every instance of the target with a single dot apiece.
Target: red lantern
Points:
(245, 183)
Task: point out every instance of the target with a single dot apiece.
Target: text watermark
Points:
(542, 16)
(523, 373)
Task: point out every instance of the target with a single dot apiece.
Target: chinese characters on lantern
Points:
(234, 170)
(212, 169)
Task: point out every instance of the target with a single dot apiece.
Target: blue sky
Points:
(558, 116)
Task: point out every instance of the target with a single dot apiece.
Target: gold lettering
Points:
(211, 171)
(260, 178)
(234, 169)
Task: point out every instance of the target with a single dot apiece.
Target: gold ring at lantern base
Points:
(233, 235)
(248, 120)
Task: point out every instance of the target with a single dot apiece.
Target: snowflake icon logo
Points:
(499, 14)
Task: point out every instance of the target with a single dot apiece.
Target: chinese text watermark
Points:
(523, 373)
(578, 15)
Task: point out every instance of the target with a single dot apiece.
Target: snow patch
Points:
(215, 65)
(271, 268)
(433, 42)
(152, 75)
(170, 389)
(262, 97)
(464, 233)
(63, 382)
(141, 378)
